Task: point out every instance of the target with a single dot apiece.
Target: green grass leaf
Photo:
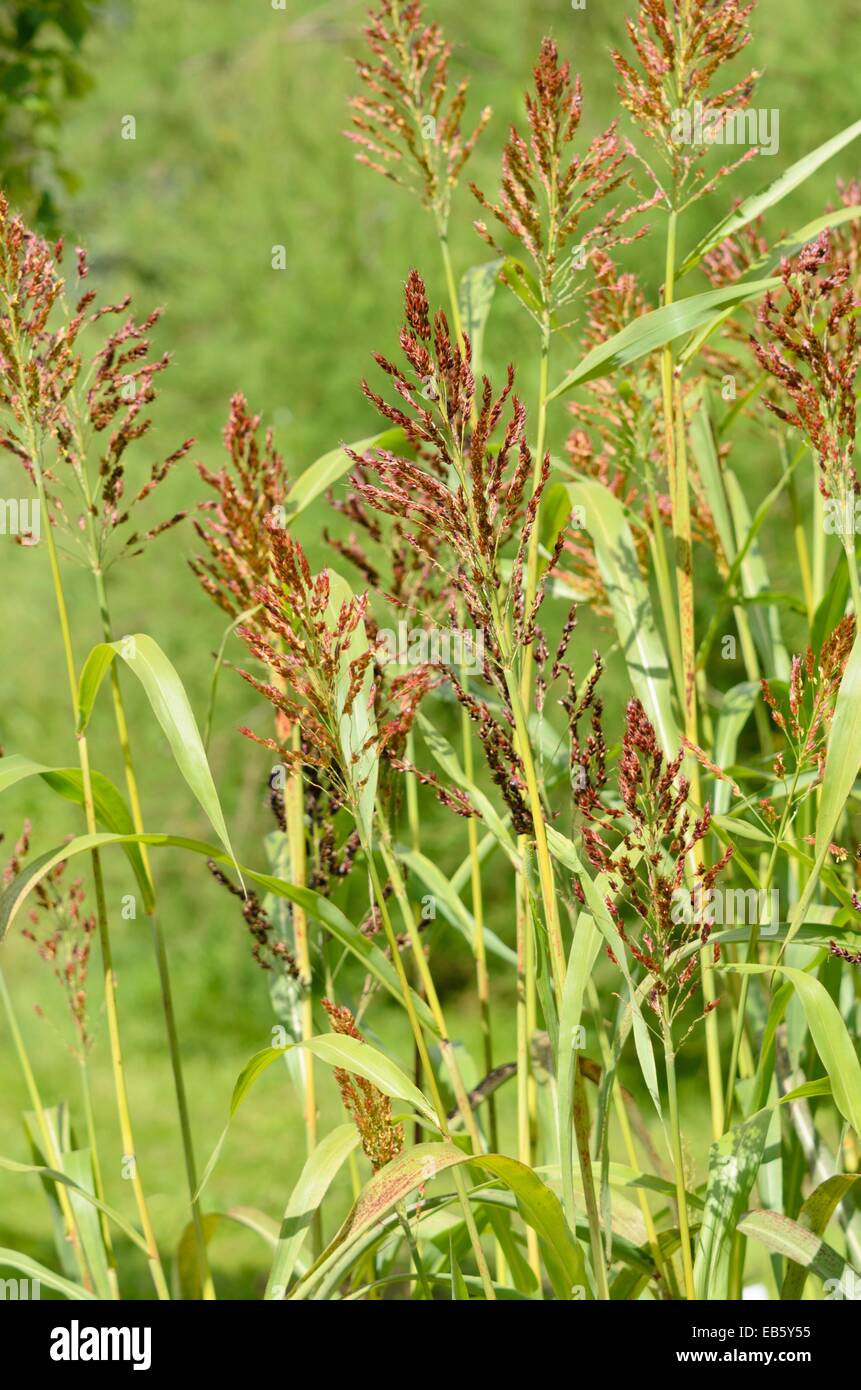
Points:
(443, 753)
(81, 1190)
(331, 467)
(648, 667)
(78, 1164)
(830, 1037)
(314, 1182)
(594, 892)
(321, 909)
(452, 907)
(733, 1165)
(171, 707)
(335, 1050)
(759, 203)
(841, 769)
(109, 804)
(538, 1206)
(652, 331)
(475, 295)
(581, 963)
(358, 727)
(786, 1237)
(186, 1269)
(815, 1214)
(13, 1259)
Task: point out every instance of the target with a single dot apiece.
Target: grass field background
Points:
(239, 109)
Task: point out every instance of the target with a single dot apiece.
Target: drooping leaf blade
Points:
(170, 705)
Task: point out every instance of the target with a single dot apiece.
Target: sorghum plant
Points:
(636, 808)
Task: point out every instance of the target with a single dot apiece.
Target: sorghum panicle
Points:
(408, 124)
(371, 1109)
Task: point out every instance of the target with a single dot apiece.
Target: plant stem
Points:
(98, 1183)
(542, 851)
(457, 1176)
(413, 1248)
(50, 1149)
(295, 818)
(678, 1160)
(450, 282)
(752, 950)
(460, 1092)
(482, 978)
(625, 1128)
(415, 844)
(111, 1011)
(800, 541)
(581, 1131)
(677, 471)
(525, 1081)
(684, 568)
(160, 949)
(852, 566)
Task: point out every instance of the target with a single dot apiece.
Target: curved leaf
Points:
(13, 1259)
(321, 909)
(356, 728)
(538, 1206)
(759, 203)
(10, 1165)
(734, 713)
(581, 962)
(785, 1237)
(814, 1216)
(604, 519)
(314, 1182)
(654, 330)
(594, 892)
(336, 1050)
(170, 705)
(110, 807)
(186, 1271)
(451, 905)
(830, 1037)
(443, 753)
(331, 467)
(841, 769)
(475, 294)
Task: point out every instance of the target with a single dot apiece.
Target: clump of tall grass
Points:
(627, 861)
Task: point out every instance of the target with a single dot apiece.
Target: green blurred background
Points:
(239, 109)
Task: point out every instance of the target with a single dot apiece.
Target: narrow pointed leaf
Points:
(314, 1182)
(321, 909)
(654, 330)
(760, 202)
(171, 707)
(13, 1259)
(330, 468)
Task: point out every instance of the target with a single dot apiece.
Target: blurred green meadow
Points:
(239, 109)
